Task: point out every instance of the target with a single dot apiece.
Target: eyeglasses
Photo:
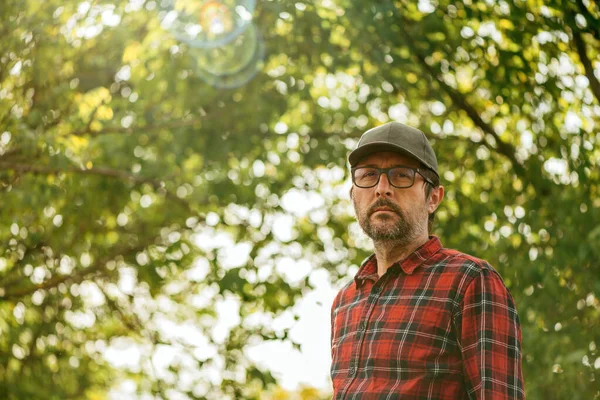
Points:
(400, 177)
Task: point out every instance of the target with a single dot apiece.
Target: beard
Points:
(401, 228)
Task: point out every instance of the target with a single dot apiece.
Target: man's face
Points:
(388, 213)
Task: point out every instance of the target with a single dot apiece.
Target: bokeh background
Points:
(167, 205)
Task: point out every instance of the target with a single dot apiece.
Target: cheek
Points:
(414, 203)
(409, 199)
(360, 198)
(356, 202)
(361, 205)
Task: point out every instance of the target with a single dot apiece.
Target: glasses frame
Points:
(386, 171)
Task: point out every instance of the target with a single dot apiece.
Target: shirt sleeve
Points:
(489, 336)
(332, 322)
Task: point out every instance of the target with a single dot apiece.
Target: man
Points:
(418, 321)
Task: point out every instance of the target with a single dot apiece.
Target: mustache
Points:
(384, 203)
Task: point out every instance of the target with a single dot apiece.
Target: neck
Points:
(388, 252)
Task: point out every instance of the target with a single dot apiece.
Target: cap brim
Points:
(375, 147)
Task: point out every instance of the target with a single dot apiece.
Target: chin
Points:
(387, 230)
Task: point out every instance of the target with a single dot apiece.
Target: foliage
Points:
(119, 167)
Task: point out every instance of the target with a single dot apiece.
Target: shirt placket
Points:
(354, 366)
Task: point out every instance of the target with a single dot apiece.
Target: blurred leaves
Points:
(137, 201)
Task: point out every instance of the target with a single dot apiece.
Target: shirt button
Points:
(362, 327)
(352, 370)
(376, 289)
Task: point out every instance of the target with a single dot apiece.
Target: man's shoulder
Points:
(462, 262)
(344, 292)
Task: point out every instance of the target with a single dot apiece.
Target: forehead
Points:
(388, 159)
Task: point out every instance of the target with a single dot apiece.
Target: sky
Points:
(293, 368)
(312, 331)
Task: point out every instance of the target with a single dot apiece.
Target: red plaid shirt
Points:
(438, 325)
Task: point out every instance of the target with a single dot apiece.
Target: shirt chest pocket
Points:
(417, 332)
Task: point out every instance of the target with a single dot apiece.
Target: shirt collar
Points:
(369, 267)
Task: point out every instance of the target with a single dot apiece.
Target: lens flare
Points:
(233, 65)
(207, 23)
(229, 58)
(215, 18)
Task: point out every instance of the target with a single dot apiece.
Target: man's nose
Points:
(383, 187)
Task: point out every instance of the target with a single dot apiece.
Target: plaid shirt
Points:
(438, 325)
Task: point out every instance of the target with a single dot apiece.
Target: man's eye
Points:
(368, 174)
(401, 174)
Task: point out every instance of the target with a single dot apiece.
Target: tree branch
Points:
(10, 152)
(14, 279)
(98, 266)
(130, 320)
(217, 114)
(134, 325)
(130, 130)
(93, 115)
(46, 170)
(588, 17)
(101, 171)
(504, 148)
(587, 64)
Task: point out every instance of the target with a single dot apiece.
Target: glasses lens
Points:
(366, 177)
(402, 177)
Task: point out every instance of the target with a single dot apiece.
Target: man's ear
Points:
(435, 198)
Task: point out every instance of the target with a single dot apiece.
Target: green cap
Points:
(395, 137)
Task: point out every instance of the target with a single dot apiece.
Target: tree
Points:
(119, 166)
